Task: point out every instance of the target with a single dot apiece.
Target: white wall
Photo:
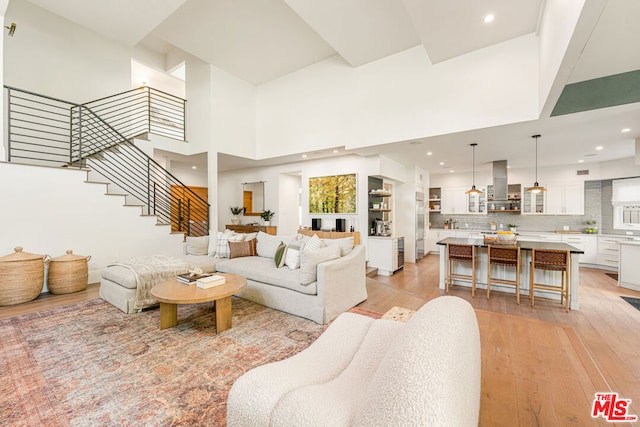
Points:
(56, 57)
(401, 97)
(143, 75)
(230, 190)
(52, 210)
(557, 26)
(233, 115)
(289, 203)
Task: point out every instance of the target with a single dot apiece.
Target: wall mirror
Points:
(253, 198)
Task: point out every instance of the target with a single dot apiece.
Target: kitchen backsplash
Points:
(597, 207)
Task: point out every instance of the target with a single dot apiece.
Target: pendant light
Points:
(536, 187)
(473, 191)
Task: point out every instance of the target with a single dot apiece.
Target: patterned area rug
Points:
(89, 364)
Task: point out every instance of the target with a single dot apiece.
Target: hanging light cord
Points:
(536, 137)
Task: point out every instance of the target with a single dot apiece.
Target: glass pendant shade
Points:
(536, 187)
(473, 191)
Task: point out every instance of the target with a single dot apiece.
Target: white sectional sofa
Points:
(325, 285)
(367, 372)
(328, 282)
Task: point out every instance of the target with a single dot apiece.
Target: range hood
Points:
(500, 186)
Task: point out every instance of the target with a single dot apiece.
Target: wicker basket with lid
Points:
(21, 277)
(68, 273)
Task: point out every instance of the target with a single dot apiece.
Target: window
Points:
(626, 204)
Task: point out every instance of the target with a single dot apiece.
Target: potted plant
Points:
(236, 211)
(266, 216)
(513, 227)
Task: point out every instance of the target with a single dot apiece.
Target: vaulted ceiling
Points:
(261, 40)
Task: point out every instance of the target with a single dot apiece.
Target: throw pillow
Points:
(293, 256)
(313, 244)
(267, 244)
(310, 260)
(213, 243)
(279, 256)
(222, 250)
(345, 244)
(242, 249)
(197, 245)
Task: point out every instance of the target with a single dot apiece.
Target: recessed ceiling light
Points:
(625, 130)
(194, 167)
(450, 170)
(599, 147)
(489, 18)
(429, 153)
(441, 163)
(508, 166)
(304, 156)
(335, 151)
(581, 161)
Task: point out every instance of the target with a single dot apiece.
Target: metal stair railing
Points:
(142, 110)
(46, 131)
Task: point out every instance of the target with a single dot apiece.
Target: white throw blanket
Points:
(150, 271)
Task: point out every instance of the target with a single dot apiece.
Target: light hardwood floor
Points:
(540, 366)
(535, 359)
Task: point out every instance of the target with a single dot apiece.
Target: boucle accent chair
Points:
(366, 372)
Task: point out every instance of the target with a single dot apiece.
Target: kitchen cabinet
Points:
(476, 203)
(435, 199)
(629, 266)
(454, 200)
(532, 203)
(386, 254)
(565, 199)
(609, 251)
(586, 243)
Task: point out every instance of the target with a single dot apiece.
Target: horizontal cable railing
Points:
(46, 131)
(142, 110)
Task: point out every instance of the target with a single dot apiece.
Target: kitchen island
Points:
(506, 273)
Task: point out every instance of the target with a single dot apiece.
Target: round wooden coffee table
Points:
(171, 293)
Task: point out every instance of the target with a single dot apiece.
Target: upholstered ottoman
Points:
(127, 284)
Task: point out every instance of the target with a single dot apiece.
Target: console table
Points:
(269, 229)
(332, 234)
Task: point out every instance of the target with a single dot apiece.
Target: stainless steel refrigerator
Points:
(420, 225)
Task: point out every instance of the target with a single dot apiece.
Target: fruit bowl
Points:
(507, 237)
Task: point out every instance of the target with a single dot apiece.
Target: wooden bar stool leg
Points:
(531, 280)
(473, 274)
(518, 281)
(488, 280)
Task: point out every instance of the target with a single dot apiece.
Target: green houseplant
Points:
(266, 215)
(236, 211)
(513, 227)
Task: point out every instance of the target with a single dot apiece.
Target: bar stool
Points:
(550, 260)
(463, 253)
(505, 256)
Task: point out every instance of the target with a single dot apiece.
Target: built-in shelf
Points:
(379, 210)
(380, 193)
(504, 210)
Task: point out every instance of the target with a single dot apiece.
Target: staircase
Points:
(46, 131)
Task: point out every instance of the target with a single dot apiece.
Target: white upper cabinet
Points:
(454, 200)
(565, 199)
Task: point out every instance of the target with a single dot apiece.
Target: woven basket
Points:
(68, 273)
(21, 277)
